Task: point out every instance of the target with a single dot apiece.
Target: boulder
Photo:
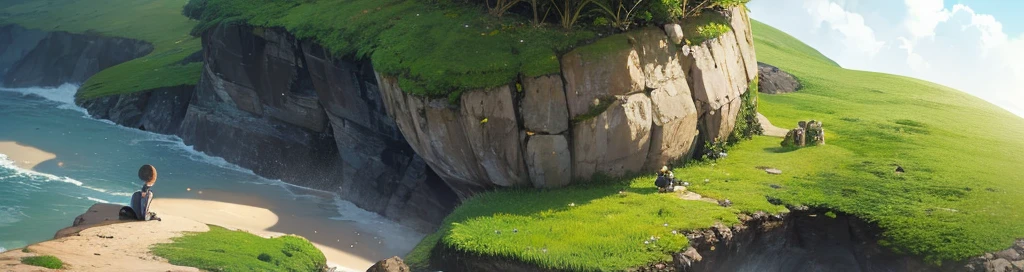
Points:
(675, 33)
(606, 68)
(543, 105)
(772, 80)
(393, 264)
(999, 265)
(727, 55)
(473, 146)
(615, 142)
(740, 23)
(674, 133)
(716, 125)
(658, 59)
(549, 161)
(710, 86)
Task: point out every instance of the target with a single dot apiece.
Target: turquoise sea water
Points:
(98, 161)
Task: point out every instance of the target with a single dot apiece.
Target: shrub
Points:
(47, 261)
(712, 30)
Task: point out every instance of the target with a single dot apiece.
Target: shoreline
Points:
(24, 156)
(347, 245)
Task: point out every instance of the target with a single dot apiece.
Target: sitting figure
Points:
(665, 180)
(142, 199)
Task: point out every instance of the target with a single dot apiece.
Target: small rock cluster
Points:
(1011, 259)
(806, 133)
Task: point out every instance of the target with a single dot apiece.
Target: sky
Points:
(976, 46)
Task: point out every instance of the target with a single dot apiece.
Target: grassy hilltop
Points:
(158, 22)
(959, 197)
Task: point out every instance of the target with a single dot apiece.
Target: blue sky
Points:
(976, 46)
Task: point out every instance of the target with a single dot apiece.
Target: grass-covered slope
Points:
(157, 22)
(434, 50)
(224, 250)
(960, 195)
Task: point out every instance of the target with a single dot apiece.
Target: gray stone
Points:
(675, 33)
(549, 161)
(675, 124)
(658, 58)
(543, 106)
(999, 265)
(393, 264)
(616, 141)
(740, 23)
(1009, 254)
(772, 80)
(610, 73)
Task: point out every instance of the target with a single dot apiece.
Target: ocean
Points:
(97, 161)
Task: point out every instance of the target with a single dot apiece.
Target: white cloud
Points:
(850, 25)
(916, 62)
(923, 16)
(992, 34)
(958, 46)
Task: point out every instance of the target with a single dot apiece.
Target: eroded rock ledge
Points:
(815, 240)
(628, 103)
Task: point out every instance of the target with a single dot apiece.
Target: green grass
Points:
(434, 51)
(223, 250)
(157, 22)
(47, 261)
(959, 197)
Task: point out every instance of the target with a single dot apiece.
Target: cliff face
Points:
(15, 43)
(285, 109)
(632, 102)
(61, 57)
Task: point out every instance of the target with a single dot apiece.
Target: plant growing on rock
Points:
(623, 15)
(570, 11)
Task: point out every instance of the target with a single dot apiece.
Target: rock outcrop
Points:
(286, 109)
(809, 240)
(806, 133)
(627, 103)
(773, 80)
(161, 110)
(393, 264)
(62, 57)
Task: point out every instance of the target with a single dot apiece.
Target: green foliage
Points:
(948, 205)
(955, 200)
(435, 50)
(712, 30)
(47, 261)
(157, 22)
(747, 124)
(544, 227)
(224, 250)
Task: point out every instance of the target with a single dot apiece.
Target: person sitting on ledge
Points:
(665, 180)
(142, 199)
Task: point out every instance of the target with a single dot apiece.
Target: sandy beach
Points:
(348, 246)
(24, 156)
(345, 244)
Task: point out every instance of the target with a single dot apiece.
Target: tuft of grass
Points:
(157, 22)
(434, 50)
(224, 250)
(47, 261)
(705, 26)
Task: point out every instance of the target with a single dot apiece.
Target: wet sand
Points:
(23, 156)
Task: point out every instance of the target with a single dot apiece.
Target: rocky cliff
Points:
(627, 103)
(55, 58)
(288, 110)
